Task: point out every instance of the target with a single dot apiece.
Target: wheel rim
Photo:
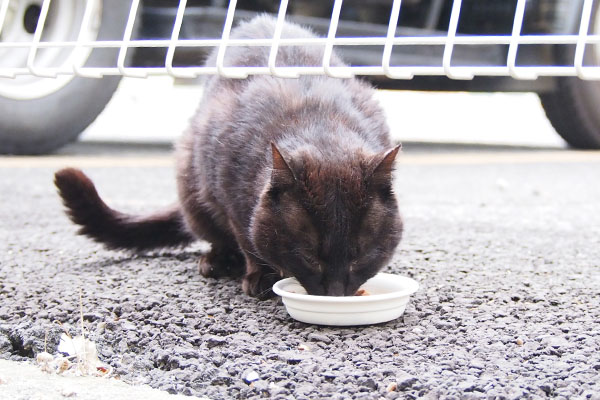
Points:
(63, 23)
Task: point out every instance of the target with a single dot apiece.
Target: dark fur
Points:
(282, 176)
(117, 230)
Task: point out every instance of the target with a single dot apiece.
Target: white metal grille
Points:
(583, 42)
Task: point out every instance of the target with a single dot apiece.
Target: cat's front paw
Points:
(221, 263)
(260, 284)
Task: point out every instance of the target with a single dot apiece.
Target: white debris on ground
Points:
(74, 371)
(77, 356)
(81, 358)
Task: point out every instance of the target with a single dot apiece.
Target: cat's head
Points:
(331, 224)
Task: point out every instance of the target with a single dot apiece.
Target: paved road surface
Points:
(505, 243)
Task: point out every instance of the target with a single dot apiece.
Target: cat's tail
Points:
(113, 228)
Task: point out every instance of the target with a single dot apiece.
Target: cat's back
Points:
(263, 27)
(247, 114)
(228, 144)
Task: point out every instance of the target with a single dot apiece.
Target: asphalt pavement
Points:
(504, 241)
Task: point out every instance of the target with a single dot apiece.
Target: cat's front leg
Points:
(259, 279)
(221, 261)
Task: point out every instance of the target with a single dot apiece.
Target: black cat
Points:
(284, 177)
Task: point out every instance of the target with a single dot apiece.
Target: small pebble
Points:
(260, 386)
(274, 387)
(556, 342)
(477, 364)
(215, 341)
(392, 387)
(317, 337)
(367, 382)
(519, 342)
(44, 357)
(214, 311)
(303, 347)
(405, 381)
(62, 364)
(250, 376)
(329, 375)
(547, 388)
(128, 326)
(101, 327)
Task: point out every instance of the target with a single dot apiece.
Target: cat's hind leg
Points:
(203, 216)
(225, 257)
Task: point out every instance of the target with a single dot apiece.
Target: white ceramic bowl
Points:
(388, 297)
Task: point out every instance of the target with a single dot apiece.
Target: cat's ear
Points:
(282, 174)
(384, 165)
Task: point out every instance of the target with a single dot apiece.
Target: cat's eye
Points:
(311, 262)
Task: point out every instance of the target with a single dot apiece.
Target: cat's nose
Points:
(335, 289)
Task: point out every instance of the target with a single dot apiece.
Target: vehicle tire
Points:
(39, 115)
(572, 107)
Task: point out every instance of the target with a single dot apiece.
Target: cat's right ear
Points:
(282, 174)
(383, 164)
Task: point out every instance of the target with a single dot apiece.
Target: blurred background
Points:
(155, 110)
(482, 71)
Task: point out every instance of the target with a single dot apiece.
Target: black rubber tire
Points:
(42, 125)
(573, 106)
(574, 111)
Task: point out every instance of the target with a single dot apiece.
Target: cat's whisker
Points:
(264, 292)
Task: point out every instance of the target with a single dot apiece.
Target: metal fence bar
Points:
(3, 12)
(582, 40)
(275, 45)
(334, 72)
(36, 40)
(582, 71)
(177, 73)
(358, 70)
(340, 41)
(393, 73)
(227, 72)
(511, 61)
(131, 72)
(85, 23)
(449, 45)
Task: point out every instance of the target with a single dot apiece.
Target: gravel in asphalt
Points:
(507, 256)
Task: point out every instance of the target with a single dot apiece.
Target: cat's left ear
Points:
(384, 165)
(282, 173)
